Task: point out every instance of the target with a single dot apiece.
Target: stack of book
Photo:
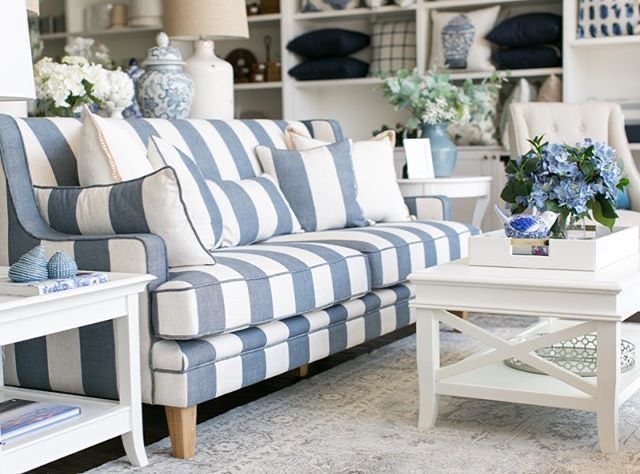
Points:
(34, 288)
(21, 417)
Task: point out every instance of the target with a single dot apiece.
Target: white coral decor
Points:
(61, 88)
(121, 90)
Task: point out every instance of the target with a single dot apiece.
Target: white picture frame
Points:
(419, 160)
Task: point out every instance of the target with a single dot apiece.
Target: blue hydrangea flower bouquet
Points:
(575, 182)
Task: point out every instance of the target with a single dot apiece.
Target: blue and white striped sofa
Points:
(259, 311)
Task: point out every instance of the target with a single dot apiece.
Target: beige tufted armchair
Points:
(571, 123)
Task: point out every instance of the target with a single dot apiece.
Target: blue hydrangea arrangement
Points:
(578, 181)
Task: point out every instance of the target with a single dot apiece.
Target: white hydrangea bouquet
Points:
(63, 88)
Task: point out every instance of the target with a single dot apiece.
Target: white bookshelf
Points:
(305, 99)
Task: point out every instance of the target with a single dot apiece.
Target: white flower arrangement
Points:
(61, 88)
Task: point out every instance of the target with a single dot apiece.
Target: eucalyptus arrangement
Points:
(573, 181)
(434, 102)
(432, 99)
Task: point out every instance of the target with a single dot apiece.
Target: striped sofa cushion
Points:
(237, 212)
(394, 250)
(256, 284)
(151, 204)
(253, 210)
(224, 149)
(202, 208)
(189, 372)
(319, 184)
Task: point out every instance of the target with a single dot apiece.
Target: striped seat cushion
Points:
(227, 362)
(256, 284)
(394, 250)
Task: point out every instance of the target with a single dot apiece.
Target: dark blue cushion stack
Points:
(528, 41)
(326, 54)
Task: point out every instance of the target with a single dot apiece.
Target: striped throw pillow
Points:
(319, 184)
(151, 204)
(202, 209)
(237, 212)
(373, 164)
(252, 210)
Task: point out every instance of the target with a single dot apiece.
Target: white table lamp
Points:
(16, 80)
(203, 21)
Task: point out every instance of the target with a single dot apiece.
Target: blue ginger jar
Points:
(61, 266)
(457, 38)
(164, 90)
(32, 266)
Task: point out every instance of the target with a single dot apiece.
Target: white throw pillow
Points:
(109, 151)
(550, 90)
(523, 92)
(373, 163)
(458, 39)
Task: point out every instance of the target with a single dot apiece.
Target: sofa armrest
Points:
(429, 207)
(126, 253)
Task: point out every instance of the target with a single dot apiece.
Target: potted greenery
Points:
(434, 102)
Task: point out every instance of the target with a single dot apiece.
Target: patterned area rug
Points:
(361, 417)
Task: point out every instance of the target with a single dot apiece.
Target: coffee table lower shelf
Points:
(483, 375)
(99, 421)
(499, 382)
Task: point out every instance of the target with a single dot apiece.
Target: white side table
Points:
(455, 187)
(24, 318)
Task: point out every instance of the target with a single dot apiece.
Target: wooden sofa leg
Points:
(182, 430)
(303, 371)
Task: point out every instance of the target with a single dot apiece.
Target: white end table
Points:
(576, 302)
(24, 318)
(455, 187)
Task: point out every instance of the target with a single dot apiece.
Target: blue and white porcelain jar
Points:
(164, 90)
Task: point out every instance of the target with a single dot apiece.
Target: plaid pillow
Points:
(393, 46)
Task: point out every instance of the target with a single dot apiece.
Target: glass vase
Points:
(560, 226)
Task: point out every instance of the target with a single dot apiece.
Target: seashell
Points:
(528, 226)
(62, 266)
(32, 266)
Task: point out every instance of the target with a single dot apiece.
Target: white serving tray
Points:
(494, 249)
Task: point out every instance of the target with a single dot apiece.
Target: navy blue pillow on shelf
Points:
(329, 68)
(528, 58)
(529, 29)
(330, 42)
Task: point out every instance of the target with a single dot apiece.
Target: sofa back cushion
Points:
(224, 150)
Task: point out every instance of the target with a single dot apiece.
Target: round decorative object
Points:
(32, 266)
(443, 151)
(578, 355)
(525, 226)
(242, 61)
(61, 266)
(164, 90)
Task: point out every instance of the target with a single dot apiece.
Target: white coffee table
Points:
(570, 303)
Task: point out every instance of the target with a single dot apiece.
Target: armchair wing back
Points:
(571, 123)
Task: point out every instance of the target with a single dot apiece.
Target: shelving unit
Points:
(101, 33)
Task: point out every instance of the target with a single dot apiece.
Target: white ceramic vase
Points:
(213, 78)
